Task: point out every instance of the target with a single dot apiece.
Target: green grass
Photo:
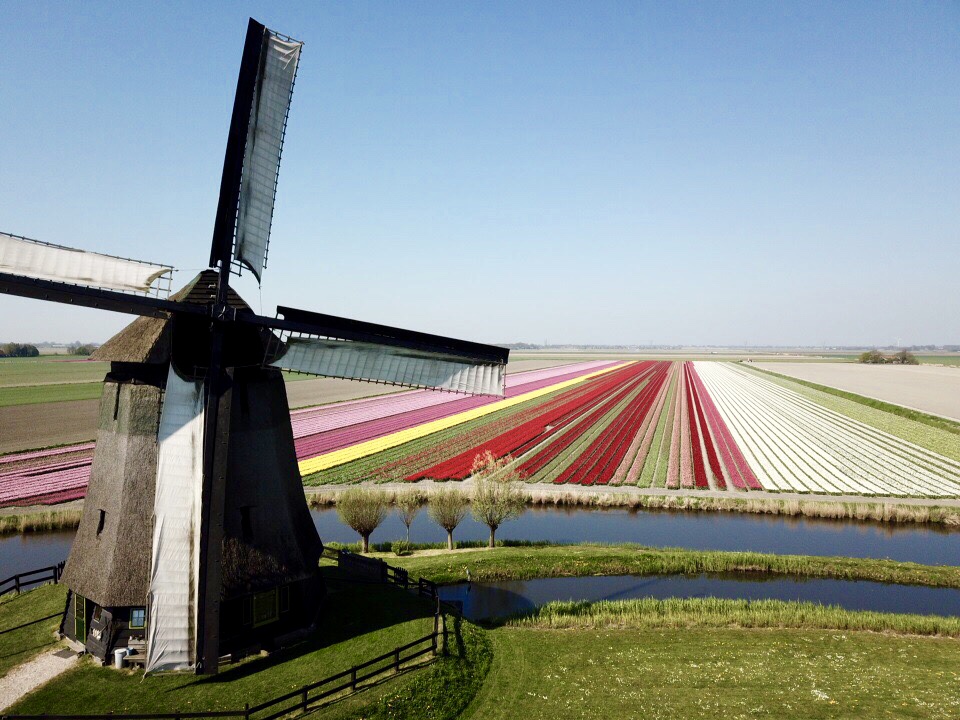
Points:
(717, 673)
(358, 623)
(711, 612)
(36, 394)
(537, 561)
(50, 369)
(26, 625)
(939, 359)
(48, 521)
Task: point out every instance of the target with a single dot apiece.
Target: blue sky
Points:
(715, 173)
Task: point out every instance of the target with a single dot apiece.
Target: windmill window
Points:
(101, 521)
(138, 618)
(265, 608)
(246, 523)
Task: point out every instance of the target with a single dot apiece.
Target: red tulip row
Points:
(600, 460)
(519, 438)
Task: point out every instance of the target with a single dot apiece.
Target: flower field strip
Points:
(673, 463)
(523, 436)
(337, 416)
(339, 457)
(800, 446)
(707, 437)
(418, 455)
(43, 454)
(601, 459)
(632, 463)
(654, 470)
(379, 423)
(65, 481)
(737, 469)
(699, 471)
(545, 454)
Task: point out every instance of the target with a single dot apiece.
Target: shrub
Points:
(408, 505)
(448, 508)
(401, 548)
(363, 509)
(497, 494)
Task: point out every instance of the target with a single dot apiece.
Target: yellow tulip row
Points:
(369, 447)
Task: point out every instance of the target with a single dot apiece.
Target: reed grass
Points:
(40, 522)
(648, 613)
(864, 511)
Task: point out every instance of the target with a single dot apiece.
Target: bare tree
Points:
(448, 508)
(497, 494)
(363, 509)
(408, 505)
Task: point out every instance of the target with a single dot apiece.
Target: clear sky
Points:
(594, 172)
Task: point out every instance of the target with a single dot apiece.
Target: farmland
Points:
(679, 426)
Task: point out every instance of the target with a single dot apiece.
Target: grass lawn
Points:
(35, 394)
(359, 623)
(537, 561)
(717, 673)
(28, 623)
(50, 369)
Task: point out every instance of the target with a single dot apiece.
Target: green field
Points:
(35, 394)
(50, 370)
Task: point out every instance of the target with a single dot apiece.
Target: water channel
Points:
(704, 531)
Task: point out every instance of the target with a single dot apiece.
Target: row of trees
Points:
(875, 357)
(496, 497)
(18, 350)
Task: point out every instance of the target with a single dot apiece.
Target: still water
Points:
(703, 531)
(498, 599)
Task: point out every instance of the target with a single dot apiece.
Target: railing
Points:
(22, 581)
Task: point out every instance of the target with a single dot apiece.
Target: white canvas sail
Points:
(382, 363)
(174, 565)
(21, 256)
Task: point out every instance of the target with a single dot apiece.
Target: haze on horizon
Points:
(602, 173)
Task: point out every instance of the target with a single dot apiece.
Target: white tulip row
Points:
(795, 445)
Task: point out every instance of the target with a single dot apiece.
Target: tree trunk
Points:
(366, 543)
(408, 534)
(449, 539)
(493, 536)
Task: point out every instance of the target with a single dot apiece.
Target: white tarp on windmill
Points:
(30, 258)
(383, 363)
(261, 157)
(175, 562)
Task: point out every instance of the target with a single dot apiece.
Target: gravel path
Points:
(31, 675)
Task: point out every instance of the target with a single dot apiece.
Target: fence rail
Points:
(22, 581)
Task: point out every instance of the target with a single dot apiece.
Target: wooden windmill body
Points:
(195, 540)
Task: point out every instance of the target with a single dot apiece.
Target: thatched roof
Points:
(148, 339)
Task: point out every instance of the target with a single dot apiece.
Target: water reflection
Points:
(497, 599)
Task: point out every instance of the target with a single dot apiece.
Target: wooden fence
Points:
(22, 581)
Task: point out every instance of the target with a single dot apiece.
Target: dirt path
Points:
(32, 674)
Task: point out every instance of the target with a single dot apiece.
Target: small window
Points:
(101, 521)
(246, 524)
(138, 618)
(265, 609)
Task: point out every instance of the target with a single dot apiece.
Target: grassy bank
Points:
(704, 673)
(49, 521)
(865, 511)
(28, 623)
(537, 561)
(647, 613)
(358, 623)
(35, 394)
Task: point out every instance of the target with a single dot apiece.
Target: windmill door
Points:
(81, 617)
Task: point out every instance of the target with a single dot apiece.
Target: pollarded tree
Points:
(363, 509)
(448, 508)
(497, 493)
(408, 505)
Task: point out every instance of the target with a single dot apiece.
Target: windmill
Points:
(195, 539)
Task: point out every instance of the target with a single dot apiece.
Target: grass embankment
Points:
(935, 421)
(710, 612)
(28, 623)
(717, 673)
(358, 623)
(538, 561)
(40, 522)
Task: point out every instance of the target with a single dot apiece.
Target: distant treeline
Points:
(18, 350)
(875, 357)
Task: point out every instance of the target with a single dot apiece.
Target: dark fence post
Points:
(303, 699)
(353, 678)
(246, 711)
(16, 584)
(396, 660)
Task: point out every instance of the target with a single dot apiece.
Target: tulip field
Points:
(690, 426)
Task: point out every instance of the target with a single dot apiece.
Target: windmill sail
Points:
(31, 258)
(261, 159)
(398, 365)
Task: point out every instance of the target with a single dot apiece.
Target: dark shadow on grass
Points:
(348, 612)
(32, 622)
